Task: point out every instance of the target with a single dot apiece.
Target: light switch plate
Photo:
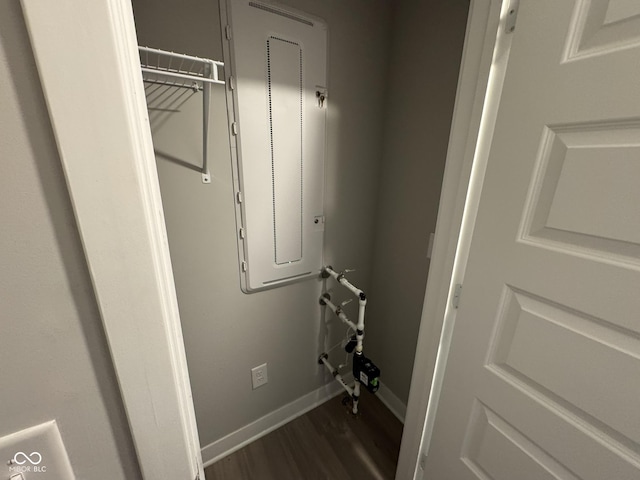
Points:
(37, 453)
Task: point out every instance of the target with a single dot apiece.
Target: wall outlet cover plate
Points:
(259, 376)
(36, 453)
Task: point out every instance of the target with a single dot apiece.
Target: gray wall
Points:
(423, 72)
(54, 361)
(227, 332)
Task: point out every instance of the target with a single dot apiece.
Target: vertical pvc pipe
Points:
(355, 397)
(338, 311)
(336, 375)
(360, 325)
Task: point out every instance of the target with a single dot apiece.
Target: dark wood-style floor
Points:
(325, 443)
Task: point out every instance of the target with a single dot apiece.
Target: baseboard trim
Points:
(392, 402)
(243, 436)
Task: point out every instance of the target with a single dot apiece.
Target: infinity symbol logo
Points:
(27, 458)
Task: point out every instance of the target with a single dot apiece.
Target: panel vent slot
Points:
(284, 78)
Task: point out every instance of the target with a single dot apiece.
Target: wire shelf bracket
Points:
(184, 71)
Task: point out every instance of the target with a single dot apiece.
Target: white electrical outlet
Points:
(259, 375)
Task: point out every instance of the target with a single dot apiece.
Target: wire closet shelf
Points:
(177, 70)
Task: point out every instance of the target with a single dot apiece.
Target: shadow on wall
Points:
(162, 101)
(425, 61)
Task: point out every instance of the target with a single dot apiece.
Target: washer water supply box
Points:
(366, 373)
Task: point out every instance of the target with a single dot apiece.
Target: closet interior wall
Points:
(227, 332)
(425, 56)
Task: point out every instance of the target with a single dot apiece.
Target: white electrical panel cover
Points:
(277, 103)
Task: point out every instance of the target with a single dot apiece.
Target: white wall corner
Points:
(392, 402)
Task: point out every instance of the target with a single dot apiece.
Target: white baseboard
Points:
(264, 425)
(393, 403)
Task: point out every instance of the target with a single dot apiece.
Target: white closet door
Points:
(543, 376)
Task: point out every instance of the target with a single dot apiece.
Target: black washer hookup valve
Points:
(365, 371)
(351, 344)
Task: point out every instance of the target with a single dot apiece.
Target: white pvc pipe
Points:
(343, 281)
(361, 306)
(362, 303)
(339, 313)
(356, 396)
(338, 377)
(359, 328)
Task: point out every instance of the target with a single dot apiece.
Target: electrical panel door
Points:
(278, 100)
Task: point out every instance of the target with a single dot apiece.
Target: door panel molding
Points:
(547, 332)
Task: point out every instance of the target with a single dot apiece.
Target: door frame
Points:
(116, 200)
(484, 58)
(87, 59)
